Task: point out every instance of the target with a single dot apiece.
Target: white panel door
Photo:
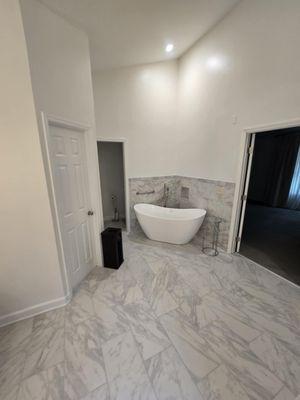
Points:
(69, 169)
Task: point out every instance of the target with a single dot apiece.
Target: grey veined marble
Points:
(170, 324)
(216, 197)
(147, 185)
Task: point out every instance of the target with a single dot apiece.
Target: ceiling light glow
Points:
(169, 47)
(215, 63)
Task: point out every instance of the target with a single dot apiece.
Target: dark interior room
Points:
(271, 230)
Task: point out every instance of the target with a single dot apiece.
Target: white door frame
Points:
(123, 141)
(242, 173)
(47, 121)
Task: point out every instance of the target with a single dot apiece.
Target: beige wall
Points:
(138, 103)
(29, 267)
(59, 61)
(60, 84)
(247, 66)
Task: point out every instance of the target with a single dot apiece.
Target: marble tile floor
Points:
(171, 323)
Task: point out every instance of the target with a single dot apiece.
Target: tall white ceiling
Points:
(129, 32)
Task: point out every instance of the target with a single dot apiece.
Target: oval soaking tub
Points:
(171, 225)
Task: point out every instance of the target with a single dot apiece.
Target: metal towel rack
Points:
(139, 193)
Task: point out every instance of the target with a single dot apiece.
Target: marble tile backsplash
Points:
(142, 185)
(216, 197)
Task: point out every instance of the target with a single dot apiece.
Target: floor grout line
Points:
(225, 283)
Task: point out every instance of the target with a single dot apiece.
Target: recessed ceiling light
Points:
(169, 47)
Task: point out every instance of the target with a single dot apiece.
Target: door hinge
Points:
(244, 197)
(238, 239)
(250, 149)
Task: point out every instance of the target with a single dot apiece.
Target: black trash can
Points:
(112, 247)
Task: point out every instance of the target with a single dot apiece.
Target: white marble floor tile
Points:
(141, 272)
(84, 365)
(221, 384)
(280, 359)
(191, 347)
(285, 394)
(133, 386)
(12, 394)
(146, 329)
(15, 337)
(153, 283)
(112, 320)
(121, 355)
(230, 268)
(156, 263)
(51, 318)
(81, 306)
(45, 349)
(267, 311)
(46, 385)
(234, 352)
(91, 282)
(11, 374)
(120, 287)
(170, 377)
(223, 307)
(101, 393)
(126, 372)
(171, 323)
(160, 298)
(201, 280)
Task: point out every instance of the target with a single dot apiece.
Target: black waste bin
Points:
(112, 247)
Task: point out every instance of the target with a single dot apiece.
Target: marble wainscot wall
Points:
(156, 184)
(216, 197)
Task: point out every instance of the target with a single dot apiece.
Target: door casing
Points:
(49, 120)
(243, 170)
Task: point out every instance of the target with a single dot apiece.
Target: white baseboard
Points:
(34, 310)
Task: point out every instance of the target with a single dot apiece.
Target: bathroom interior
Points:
(174, 125)
(112, 181)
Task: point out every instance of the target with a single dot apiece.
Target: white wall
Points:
(138, 103)
(247, 66)
(29, 272)
(110, 156)
(62, 83)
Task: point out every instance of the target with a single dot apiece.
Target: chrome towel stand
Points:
(212, 250)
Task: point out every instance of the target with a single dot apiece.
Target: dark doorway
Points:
(271, 226)
(112, 180)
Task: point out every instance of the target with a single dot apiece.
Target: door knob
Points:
(90, 212)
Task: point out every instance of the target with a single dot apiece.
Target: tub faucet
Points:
(166, 195)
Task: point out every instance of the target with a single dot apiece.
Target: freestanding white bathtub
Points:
(171, 225)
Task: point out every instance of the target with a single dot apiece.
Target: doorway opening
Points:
(269, 221)
(111, 156)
